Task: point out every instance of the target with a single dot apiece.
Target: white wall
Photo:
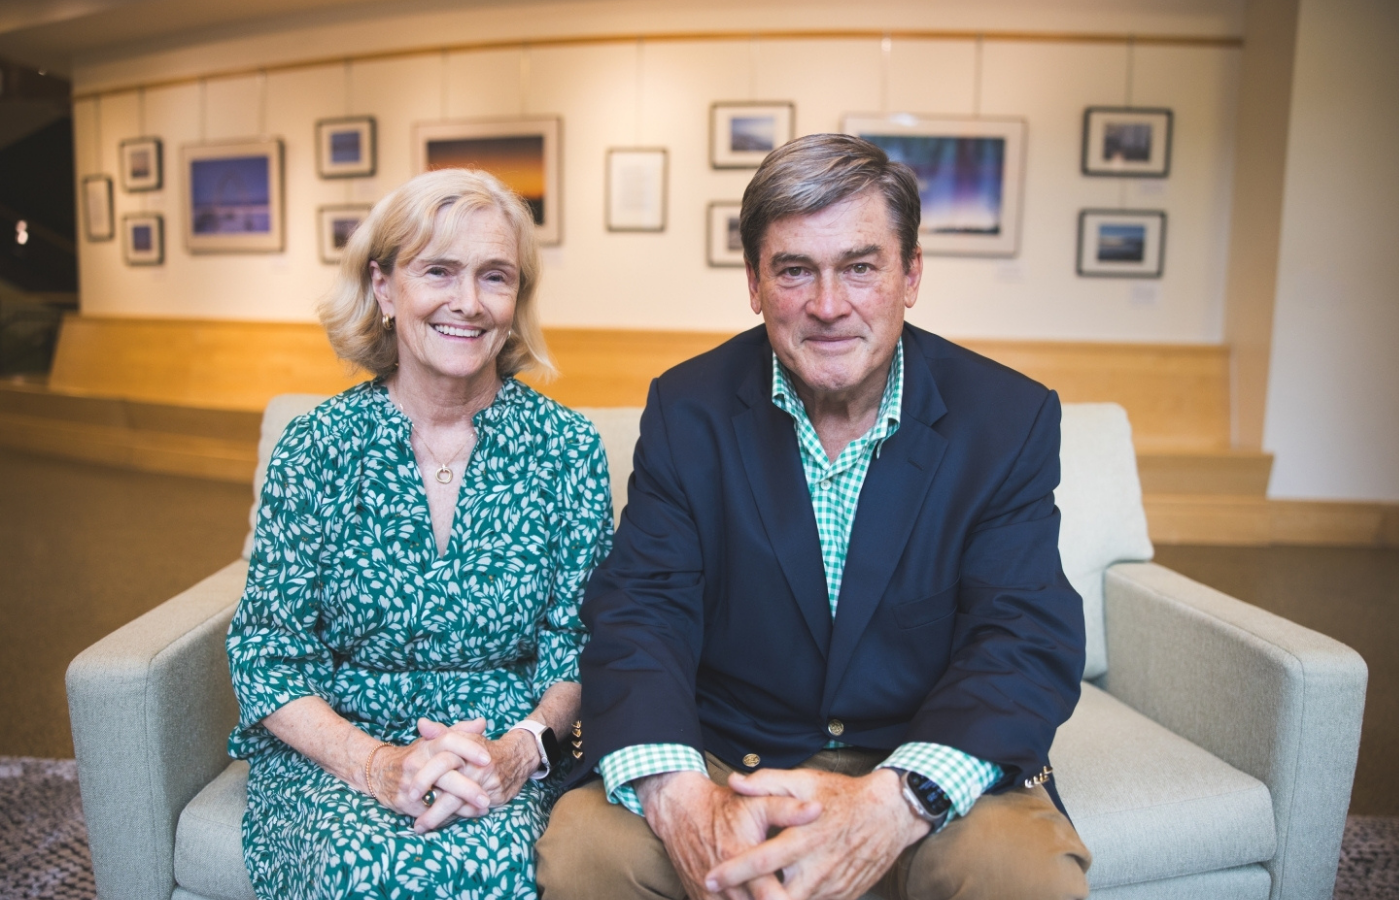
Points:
(600, 279)
(1331, 417)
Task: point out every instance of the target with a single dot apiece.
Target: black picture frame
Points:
(346, 147)
(1121, 243)
(1126, 142)
(143, 239)
(143, 164)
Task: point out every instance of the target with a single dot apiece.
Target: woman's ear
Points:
(379, 282)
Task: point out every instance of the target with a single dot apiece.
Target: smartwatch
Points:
(925, 798)
(550, 752)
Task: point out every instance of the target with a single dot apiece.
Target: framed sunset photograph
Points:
(522, 153)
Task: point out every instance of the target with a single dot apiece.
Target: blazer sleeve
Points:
(644, 609)
(1018, 642)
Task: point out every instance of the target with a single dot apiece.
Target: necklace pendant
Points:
(444, 474)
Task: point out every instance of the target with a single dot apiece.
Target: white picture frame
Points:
(743, 133)
(334, 225)
(970, 173)
(345, 147)
(522, 153)
(1121, 243)
(234, 197)
(97, 208)
(636, 189)
(723, 248)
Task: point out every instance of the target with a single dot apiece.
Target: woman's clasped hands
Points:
(452, 772)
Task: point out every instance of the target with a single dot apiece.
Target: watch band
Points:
(545, 742)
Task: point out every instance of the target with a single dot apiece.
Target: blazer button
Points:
(835, 728)
(751, 760)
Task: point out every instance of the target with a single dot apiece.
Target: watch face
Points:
(553, 753)
(929, 794)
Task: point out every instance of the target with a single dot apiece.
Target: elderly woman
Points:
(405, 651)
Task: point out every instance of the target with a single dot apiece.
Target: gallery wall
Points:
(657, 92)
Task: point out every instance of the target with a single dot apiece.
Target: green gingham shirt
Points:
(834, 486)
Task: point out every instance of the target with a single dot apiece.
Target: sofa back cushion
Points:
(1099, 497)
(1101, 516)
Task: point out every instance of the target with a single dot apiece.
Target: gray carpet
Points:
(44, 852)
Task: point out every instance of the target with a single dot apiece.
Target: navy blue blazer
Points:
(710, 621)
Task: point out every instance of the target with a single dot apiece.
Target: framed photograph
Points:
(969, 171)
(234, 192)
(141, 164)
(636, 185)
(97, 207)
(724, 248)
(741, 134)
(523, 153)
(1121, 243)
(1126, 142)
(143, 239)
(336, 224)
(345, 147)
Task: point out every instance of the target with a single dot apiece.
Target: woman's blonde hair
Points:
(399, 229)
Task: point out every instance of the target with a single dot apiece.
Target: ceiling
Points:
(50, 34)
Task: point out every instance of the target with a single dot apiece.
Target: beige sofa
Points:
(1211, 755)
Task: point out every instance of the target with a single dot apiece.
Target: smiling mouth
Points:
(454, 331)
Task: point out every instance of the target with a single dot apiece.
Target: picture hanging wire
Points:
(886, 48)
(442, 107)
(977, 79)
(262, 102)
(524, 78)
(349, 111)
(97, 132)
(203, 108)
(638, 81)
(141, 130)
(753, 67)
(1127, 101)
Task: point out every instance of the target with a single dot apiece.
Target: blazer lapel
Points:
(895, 490)
(768, 447)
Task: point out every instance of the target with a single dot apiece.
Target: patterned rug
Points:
(44, 852)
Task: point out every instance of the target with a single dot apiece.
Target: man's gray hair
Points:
(811, 173)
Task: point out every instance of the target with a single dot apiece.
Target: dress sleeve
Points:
(582, 540)
(275, 653)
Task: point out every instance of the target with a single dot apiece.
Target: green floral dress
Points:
(348, 600)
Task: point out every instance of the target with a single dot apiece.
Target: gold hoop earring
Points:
(387, 321)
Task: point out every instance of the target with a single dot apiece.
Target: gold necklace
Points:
(444, 471)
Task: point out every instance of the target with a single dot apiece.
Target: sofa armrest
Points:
(152, 707)
(1274, 699)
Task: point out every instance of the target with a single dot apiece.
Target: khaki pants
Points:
(1010, 846)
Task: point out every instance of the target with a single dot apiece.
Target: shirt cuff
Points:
(962, 777)
(622, 767)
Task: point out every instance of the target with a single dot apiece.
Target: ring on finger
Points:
(430, 798)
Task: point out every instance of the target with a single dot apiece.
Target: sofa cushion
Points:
(619, 427)
(209, 839)
(1150, 804)
(281, 410)
(1101, 517)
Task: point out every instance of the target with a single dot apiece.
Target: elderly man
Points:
(833, 640)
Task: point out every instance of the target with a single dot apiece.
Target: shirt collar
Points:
(886, 420)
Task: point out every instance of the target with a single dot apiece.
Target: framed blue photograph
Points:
(742, 134)
(345, 147)
(969, 173)
(234, 197)
(1121, 243)
(143, 239)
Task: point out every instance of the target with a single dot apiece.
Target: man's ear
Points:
(752, 275)
(913, 276)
